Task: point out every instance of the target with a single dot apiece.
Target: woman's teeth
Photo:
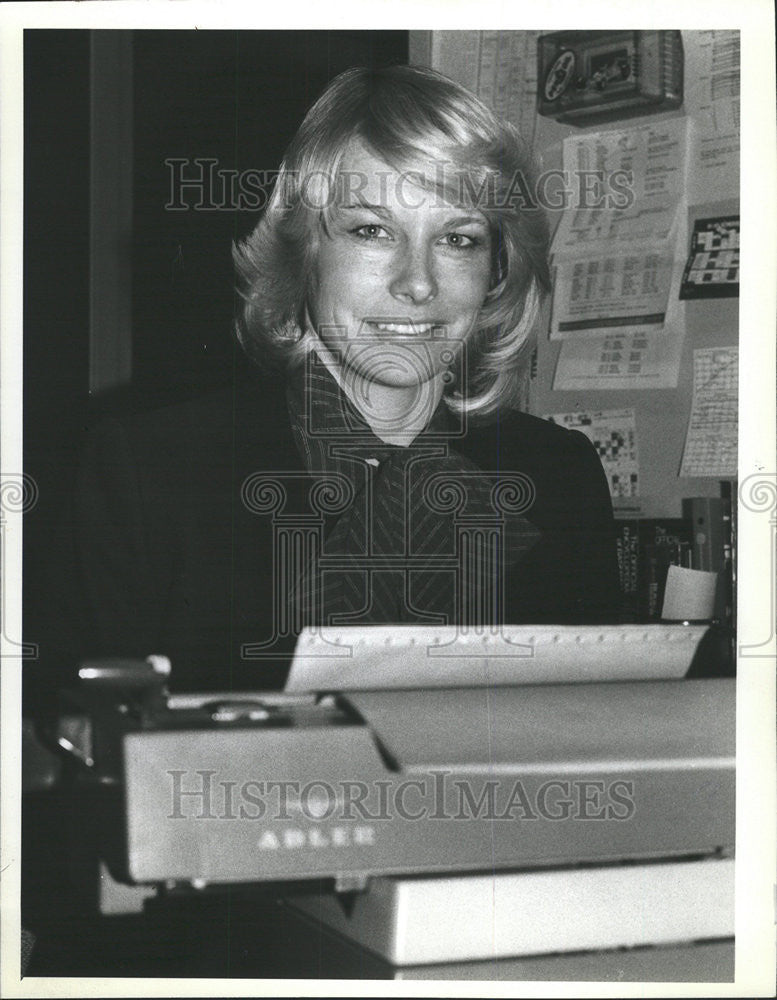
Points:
(406, 329)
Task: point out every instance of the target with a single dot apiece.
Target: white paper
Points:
(457, 55)
(711, 439)
(499, 66)
(715, 153)
(614, 435)
(615, 251)
(689, 594)
(508, 77)
(623, 293)
(628, 185)
(406, 656)
(712, 61)
(619, 361)
(712, 101)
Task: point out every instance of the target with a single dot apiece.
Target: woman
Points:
(375, 469)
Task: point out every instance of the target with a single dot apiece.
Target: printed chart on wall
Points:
(712, 102)
(712, 269)
(711, 440)
(613, 433)
(618, 260)
(619, 361)
(499, 66)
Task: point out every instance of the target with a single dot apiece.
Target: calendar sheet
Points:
(712, 97)
(637, 179)
(621, 293)
(619, 361)
(499, 66)
(711, 440)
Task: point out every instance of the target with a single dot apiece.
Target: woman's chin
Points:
(403, 364)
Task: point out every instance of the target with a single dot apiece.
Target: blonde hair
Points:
(407, 116)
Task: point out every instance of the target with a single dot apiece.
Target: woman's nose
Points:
(414, 280)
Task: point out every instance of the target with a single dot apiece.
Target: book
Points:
(706, 516)
(646, 547)
(712, 525)
(726, 599)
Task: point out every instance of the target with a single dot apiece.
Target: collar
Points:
(321, 414)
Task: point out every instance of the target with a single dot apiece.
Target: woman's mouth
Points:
(406, 329)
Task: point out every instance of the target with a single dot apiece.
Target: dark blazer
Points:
(168, 558)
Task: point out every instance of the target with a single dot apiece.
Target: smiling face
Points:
(401, 275)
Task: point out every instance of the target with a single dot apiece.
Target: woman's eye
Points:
(371, 231)
(459, 241)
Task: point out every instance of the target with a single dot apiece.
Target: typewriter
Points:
(465, 796)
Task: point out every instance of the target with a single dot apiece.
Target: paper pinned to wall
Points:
(617, 245)
(626, 188)
(716, 153)
(499, 66)
(712, 61)
(619, 361)
(712, 268)
(715, 146)
(508, 77)
(711, 439)
(623, 293)
(614, 435)
(457, 55)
